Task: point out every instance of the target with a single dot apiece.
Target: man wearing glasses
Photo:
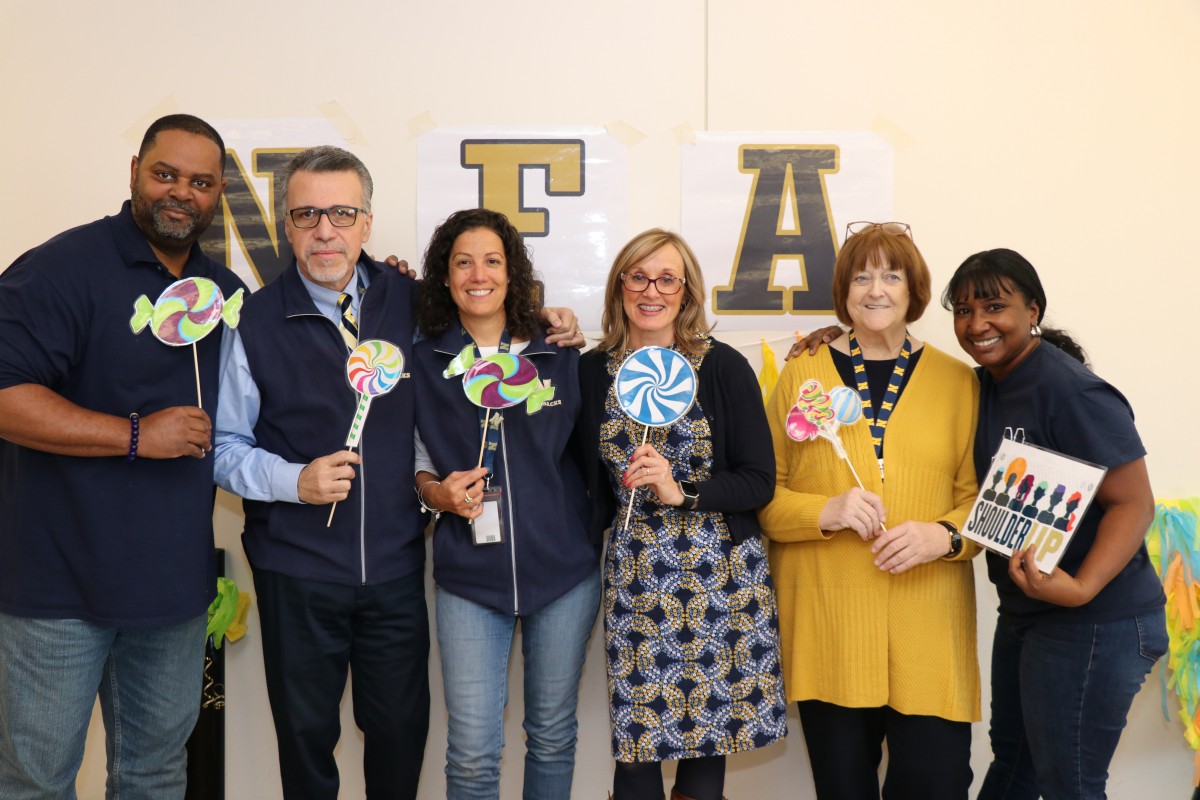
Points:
(347, 590)
(343, 588)
(106, 545)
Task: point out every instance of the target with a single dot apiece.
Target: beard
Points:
(331, 272)
(165, 233)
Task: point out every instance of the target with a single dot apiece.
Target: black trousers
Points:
(313, 633)
(928, 757)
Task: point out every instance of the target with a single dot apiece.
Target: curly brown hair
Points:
(436, 310)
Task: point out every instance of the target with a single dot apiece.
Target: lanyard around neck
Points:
(489, 423)
(878, 421)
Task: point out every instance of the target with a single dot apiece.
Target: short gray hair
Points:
(326, 158)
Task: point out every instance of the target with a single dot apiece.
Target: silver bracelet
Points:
(425, 506)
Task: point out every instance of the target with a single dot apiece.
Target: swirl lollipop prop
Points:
(655, 386)
(812, 409)
(819, 414)
(499, 381)
(373, 369)
(186, 312)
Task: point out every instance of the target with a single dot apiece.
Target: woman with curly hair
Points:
(511, 543)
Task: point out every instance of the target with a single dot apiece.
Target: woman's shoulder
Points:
(423, 347)
(593, 358)
(940, 361)
(719, 352)
(721, 359)
(808, 366)
(593, 365)
(1057, 374)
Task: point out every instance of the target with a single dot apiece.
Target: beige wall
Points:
(1065, 130)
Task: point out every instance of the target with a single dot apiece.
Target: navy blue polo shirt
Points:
(1057, 403)
(102, 539)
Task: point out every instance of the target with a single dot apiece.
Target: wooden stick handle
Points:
(633, 493)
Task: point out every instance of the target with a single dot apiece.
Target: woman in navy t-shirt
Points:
(1072, 648)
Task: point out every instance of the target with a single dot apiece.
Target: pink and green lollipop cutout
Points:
(186, 312)
(497, 382)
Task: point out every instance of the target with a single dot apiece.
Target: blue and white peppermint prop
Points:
(655, 386)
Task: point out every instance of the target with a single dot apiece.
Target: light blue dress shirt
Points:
(240, 466)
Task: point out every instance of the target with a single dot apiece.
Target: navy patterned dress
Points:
(691, 630)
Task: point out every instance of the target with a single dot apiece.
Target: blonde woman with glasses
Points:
(689, 613)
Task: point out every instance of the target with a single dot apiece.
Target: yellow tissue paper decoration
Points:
(1175, 552)
(237, 628)
(769, 376)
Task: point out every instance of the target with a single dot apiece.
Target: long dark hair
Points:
(988, 273)
(436, 310)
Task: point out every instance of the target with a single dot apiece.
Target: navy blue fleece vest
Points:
(298, 361)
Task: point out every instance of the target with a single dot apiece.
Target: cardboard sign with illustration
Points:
(1032, 497)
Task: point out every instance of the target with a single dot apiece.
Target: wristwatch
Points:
(955, 538)
(691, 495)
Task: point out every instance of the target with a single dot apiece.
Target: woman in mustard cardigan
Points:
(875, 586)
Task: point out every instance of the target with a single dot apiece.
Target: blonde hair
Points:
(691, 324)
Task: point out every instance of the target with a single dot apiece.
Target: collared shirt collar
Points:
(135, 249)
(325, 299)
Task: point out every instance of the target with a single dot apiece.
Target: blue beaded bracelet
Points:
(133, 437)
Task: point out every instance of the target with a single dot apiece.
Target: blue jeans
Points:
(1060, 696)
(475, 643)
(148, 680)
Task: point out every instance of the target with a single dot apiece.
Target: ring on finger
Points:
(469, 500)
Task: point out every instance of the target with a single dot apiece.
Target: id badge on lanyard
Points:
(488, 527)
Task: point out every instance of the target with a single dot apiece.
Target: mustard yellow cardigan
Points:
(852, 634)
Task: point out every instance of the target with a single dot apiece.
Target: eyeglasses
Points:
(892, 228)
(339, 216)
(665, 284)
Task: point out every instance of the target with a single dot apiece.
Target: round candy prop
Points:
(373, 369)
(817, 414)
(846, 405)
(186, 311)
(656, 386)
(500, 380)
